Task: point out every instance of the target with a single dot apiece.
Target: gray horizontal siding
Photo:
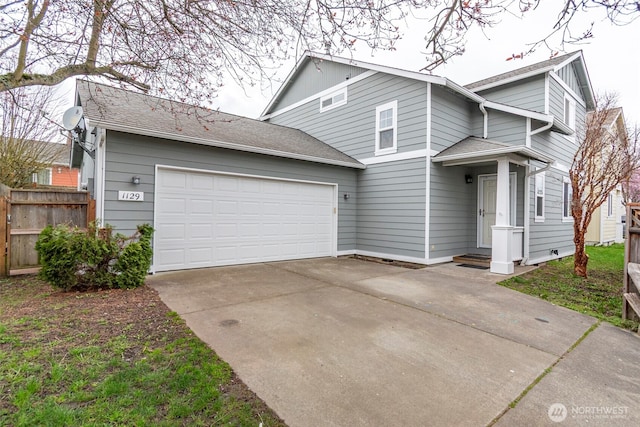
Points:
(351, 127)
(556, 99)
(452, 118)
(508, 128)
(452, 211)
(391, 208)
(314, 77)
(552, 233)
(527, 94)
(129, 155)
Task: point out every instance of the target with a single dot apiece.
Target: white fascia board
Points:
(228, 145)
(567, 89)
(381, 68)
(512, 79)
(464, 91)
(486, 154)
(548, 118)
(286, 82)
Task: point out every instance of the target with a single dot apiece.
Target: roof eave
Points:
(222, 144)
(489, 154)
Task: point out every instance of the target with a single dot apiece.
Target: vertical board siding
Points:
(569, 76)
(316, 76)
(351, 127)
(391, 208)
(452, 118)
(129, 155)
(527, 94)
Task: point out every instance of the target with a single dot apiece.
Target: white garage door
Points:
(206, 219)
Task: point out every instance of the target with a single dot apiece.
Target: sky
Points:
(611, 56)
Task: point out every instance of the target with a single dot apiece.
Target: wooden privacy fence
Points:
(631, 300)
(24, 213)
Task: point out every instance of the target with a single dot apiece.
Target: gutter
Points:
(485, 132)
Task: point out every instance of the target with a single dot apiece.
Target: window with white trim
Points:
(569, 117)
(42, 177)
(610, 205)
(333, 100)
(567, 198)
(386, 128)
(539, 200)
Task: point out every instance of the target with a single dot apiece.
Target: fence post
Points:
(4, 272)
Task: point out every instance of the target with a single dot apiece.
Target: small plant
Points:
(74, 259)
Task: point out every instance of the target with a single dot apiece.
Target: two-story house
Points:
(348, 158)
(450, 170)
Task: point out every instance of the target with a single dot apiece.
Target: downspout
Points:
(485, 124)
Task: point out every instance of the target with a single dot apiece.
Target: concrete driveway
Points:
(345, 342)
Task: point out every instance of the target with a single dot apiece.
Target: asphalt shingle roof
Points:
(520, 71)
(133, 112)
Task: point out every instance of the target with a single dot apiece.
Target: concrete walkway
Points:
(344, 342)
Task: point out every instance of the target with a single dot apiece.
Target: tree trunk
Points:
(580, 258)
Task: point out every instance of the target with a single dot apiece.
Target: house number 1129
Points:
(131, 196)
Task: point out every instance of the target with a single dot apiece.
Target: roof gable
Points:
(121, 110)
(555, 64)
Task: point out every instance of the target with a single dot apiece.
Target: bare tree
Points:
(27, 136)
(607, 156)
(182, 49)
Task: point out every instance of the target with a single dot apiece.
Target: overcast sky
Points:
(612, 59)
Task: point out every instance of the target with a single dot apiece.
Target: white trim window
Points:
(538, 205)
(567, 198)
(387, 128)
(610, 205)
(42, 177)
(569, 114)
(333, 100)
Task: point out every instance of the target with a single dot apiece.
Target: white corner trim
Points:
(407, 155)
(319, 95)
(546, 94)
(427, 186)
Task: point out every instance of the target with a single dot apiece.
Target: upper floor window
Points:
(569, 111)
(539, 201)
(387, 128)
(42, 177)
(567, 198)
(333, 100)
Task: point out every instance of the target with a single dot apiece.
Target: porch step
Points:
(474, 259)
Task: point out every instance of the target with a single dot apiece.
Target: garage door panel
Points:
(207, 219)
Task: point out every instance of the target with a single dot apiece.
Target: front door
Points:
(487, 198)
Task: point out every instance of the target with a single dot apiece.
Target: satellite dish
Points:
(72, 117)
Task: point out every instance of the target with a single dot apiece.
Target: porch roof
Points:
(473, 150)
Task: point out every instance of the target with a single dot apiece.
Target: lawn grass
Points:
(116, 357)
(600, 295)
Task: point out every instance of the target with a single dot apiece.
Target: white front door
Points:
(487, 198)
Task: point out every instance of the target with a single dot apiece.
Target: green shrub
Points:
(74, 259)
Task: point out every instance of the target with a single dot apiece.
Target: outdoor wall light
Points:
(346, 196)
(468, 179)
(135, 180)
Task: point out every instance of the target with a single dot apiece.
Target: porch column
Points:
(502, 231)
